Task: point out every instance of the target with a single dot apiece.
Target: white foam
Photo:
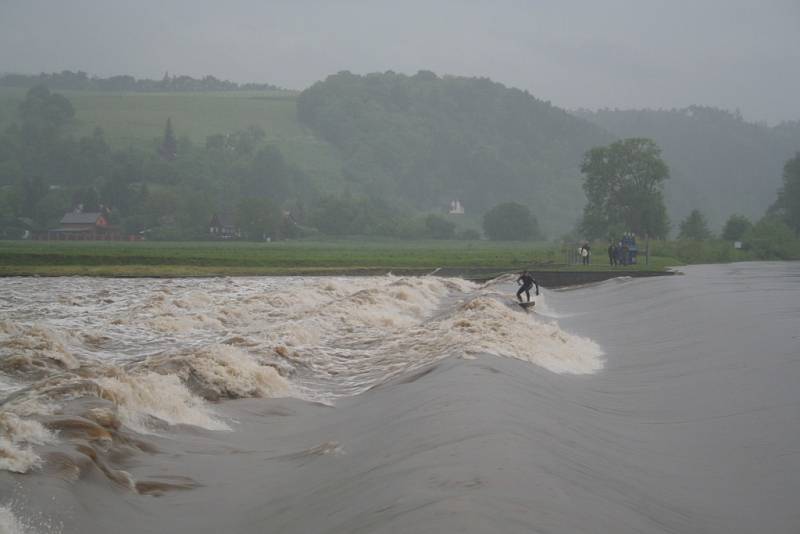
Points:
(228, 371)
(496, 329)
(16, 439)
(37, 340)
(35, 523)
(333, 336)
(17, 458)
(483, 324)
(140, 397)
(9, 524)
(543, 308)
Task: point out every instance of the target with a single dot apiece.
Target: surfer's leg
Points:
(519, 293)
(528, 294)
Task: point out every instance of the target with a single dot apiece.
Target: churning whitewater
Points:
(389, 404)
(160, 352)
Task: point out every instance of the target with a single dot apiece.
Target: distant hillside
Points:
(421, 141)
(137, 119)
(719, 163)
(427, 140)
(80, 81)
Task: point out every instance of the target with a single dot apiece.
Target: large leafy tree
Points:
(45, 108)
(510, 221)
(735, 227)
(788, 203)
(694, 227)
(623, 184)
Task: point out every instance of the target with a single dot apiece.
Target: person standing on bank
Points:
(527, 282)
(585, 253)
(612, 260)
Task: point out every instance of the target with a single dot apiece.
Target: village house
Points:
(456, 208)
(223, 226)
(84, 226)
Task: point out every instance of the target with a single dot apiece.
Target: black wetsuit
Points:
(527, 283)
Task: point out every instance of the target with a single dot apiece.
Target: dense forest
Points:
(425, 141)
(719, 163)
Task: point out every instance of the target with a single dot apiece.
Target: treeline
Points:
(425, 140)
(717, 160)
(624, 184)
(172, 190)
(81, 81)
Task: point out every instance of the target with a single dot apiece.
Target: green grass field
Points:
(295, 257)
(136, 119)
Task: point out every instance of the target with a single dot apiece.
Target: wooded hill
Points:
(427, 140)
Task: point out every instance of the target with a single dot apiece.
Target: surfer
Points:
(527, 282)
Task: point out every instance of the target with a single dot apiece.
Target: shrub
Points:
(510, 222)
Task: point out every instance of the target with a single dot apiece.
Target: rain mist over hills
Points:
(488, 127)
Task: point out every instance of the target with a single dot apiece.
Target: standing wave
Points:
(101, 376)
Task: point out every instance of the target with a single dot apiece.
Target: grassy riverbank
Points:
(161, 259)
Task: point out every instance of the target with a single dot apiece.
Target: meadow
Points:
(138, 119)
(341, 256)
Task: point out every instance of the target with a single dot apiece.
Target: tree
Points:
(771, 238)
(43, 107)
(440, 228)
(787, 206)
(32, 191)
(169, 143)
(347, 215)
(694, 227)
(334, 215)
(92, 160)
(735, 228)
(87, 199)
(258, 218)
(268, 175)
(469, 234)
(509, 222)
(623, 186)
(41, 149)
(194, 209)
(50, 208)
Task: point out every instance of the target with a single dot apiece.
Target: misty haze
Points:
(399, 267)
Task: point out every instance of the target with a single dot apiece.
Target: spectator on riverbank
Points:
(586, 252)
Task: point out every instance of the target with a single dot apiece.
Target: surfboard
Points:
(526, 305)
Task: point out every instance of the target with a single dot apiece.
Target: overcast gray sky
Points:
(575, 53)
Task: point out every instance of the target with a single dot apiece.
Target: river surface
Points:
(389, 404)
